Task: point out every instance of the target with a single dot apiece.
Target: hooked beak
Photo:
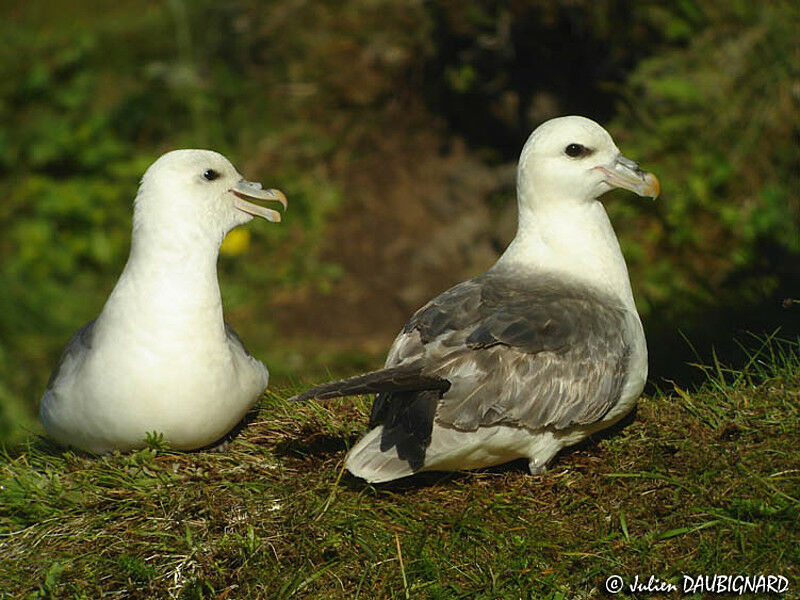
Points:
(626, 173)
(245, 190)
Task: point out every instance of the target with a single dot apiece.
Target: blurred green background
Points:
(393, 127)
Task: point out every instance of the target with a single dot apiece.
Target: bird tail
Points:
(393, 379)
(369, 460)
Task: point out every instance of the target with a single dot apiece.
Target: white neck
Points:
(574, 238)
(169, 287)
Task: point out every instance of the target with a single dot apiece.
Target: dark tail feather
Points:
(395, 379)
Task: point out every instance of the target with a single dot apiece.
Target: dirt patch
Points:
(416, 220)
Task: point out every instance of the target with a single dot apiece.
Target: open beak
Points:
(626, 173)
(250, 190)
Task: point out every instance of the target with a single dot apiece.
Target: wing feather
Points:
(534, 353)
(73, 353)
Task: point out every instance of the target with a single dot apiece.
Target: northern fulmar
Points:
(534, 355)
(160, 357)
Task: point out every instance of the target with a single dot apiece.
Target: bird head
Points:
(204, 188)
(574, 159)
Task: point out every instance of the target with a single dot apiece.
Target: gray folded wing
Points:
(73, 354)
(534, 353)
(234, 341)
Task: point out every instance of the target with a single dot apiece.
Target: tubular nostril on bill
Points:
(255, 185)
(627, 162)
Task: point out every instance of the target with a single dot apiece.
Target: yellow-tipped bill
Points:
(626, 174)
(250, 190)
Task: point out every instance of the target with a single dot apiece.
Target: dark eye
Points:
(211, 174)
(575, 150)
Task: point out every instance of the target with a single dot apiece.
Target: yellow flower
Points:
(236, 242)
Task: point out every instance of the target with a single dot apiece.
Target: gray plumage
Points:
(407, 378)
(76, 347)
(539, 352)
(493, 339)
(569, 343)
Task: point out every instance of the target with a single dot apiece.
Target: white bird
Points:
(160, 358)
(536, 354)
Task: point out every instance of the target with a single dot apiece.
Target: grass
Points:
(697, 482)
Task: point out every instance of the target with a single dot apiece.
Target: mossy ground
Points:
(699, 482)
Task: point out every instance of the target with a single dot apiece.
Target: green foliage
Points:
(66, 182)
(155, 441)
(716, 116)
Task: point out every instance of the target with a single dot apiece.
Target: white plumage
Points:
(159, 357)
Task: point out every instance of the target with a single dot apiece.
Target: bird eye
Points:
(210, 174)
(575, 150)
